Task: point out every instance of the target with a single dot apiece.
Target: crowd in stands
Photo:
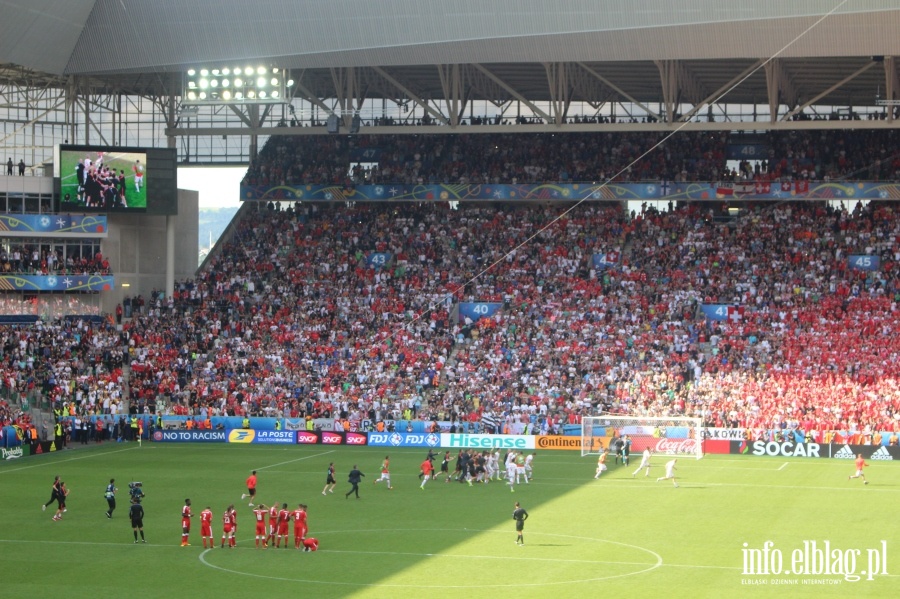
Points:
(32, 260)
(514, 158)
(290, 319)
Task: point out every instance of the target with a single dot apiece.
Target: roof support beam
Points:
(515, 94)
(560, 90)
(891, 85)
(412, 96)
(780, 87)
(721, 92)
(837, 85)
(668, 77)
(452, 85)
(619, 91)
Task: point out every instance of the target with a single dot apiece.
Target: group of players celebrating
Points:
(99, 186)
(479, 467)
(278, 530)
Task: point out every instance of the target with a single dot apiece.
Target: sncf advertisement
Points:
(330, 438)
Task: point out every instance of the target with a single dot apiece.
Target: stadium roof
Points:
(588, 50)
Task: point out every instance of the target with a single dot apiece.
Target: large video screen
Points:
(102, 179)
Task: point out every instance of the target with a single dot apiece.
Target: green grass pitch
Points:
(68, 160)
(617, 536)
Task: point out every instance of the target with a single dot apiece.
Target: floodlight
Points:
(261, 71)
(192, 95)
(251, 94)
(204, 83)
(238, 82)
(262, 93)
(191, 72)
(274, 81)
(215, 71)
(239, 95)
(226, 95)
(214, 83)
(290, 82)
(248, 71)
(261, 82)
(204, 72)
(275, 93)
(225, 82)
(226, 71)
(192, 85)
(202, 95)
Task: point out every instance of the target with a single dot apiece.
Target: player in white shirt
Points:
(645, 463)
(670, 472)
(490, 466)
(529, 473)
(138, 169)
(601, 463)
(511, 470)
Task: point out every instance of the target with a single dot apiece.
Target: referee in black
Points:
(519, 515)
(137, 519)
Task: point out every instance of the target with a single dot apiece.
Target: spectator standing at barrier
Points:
(9, 167)
(22, 167)
(110, 495)
(354, 479)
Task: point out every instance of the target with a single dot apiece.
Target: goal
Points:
(663, 435)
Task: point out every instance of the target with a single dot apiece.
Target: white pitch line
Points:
(316, 455)
(57, 462)
(783, 466)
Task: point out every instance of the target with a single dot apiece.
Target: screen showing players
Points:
(98, 179)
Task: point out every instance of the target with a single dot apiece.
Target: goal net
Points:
(664, 435)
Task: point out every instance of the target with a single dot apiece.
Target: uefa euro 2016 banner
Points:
(57, 282)
(654, 190)
(77, 224)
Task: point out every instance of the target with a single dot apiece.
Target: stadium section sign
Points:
(190, 436)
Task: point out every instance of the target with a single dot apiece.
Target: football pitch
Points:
(616, 536)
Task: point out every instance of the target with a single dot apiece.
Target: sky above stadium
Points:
(219, 187)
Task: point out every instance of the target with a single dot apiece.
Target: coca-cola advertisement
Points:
(669, 446)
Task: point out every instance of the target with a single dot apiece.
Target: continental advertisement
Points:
(559, 442)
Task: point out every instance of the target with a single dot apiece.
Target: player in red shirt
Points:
(251, 488)
(284, 518)
(299, 517)
(273, 523)
(427, 470)
(860, 464)
(206, 527)
(260, 514)
(310, 544)
(186, 523)
(229, 525)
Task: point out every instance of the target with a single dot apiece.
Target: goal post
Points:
(668, 435)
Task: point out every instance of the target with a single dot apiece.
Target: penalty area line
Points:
(315, 455)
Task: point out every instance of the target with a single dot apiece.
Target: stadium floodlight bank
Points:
(668, 435)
